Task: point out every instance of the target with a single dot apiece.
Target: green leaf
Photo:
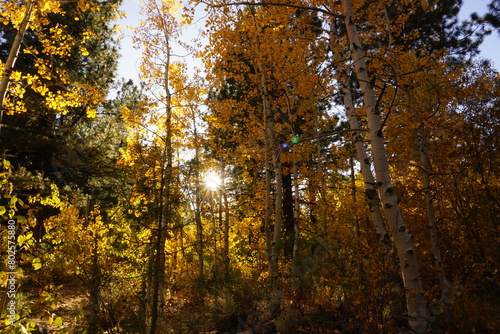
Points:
(58, 321)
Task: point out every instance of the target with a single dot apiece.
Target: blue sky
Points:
(129, 62)
(491, 46)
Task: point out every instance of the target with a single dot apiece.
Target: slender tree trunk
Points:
(288, 213)
(215, 219)
(292, 209)
(431, 217)
(371, 194)
(273, 242)
(322, 187)
(95, 279)
(268, 209)
(199, 234)
(356, 219)
(13, 54)
(225, 205)
(295, 193)
(277, 244)
(221, 226)
(95, 290)
(197, 203)
(145, 296)
(296, 207)
(165, 199)
(157, 276)
(403, 239)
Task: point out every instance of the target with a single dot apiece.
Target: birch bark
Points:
(371, 194)
(403, 239)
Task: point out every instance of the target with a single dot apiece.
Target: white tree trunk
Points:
(403, 239)
(371, 194)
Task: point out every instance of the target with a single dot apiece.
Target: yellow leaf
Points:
(37, 263)
(91, 113)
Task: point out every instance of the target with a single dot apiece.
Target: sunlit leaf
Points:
(37, 263)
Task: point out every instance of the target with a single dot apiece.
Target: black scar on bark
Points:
(371, 193)
(390, 190)
(385, 239)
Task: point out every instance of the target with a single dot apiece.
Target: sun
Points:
(212, 180)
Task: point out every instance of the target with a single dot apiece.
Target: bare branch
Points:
(316, 9)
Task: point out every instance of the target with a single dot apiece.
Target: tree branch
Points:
(316, 9)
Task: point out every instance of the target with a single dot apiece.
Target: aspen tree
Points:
(13, 53)
(296, 194)
(371, 194)
(431, 216)
(403, 240)
(272, 163)
(282, 86)
(165, 78)
(56, 46)
(413, 66)
(197, 201)
(415, 63)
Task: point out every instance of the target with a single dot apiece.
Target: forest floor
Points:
(66, 301)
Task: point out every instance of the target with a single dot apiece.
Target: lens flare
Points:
(212, 180)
